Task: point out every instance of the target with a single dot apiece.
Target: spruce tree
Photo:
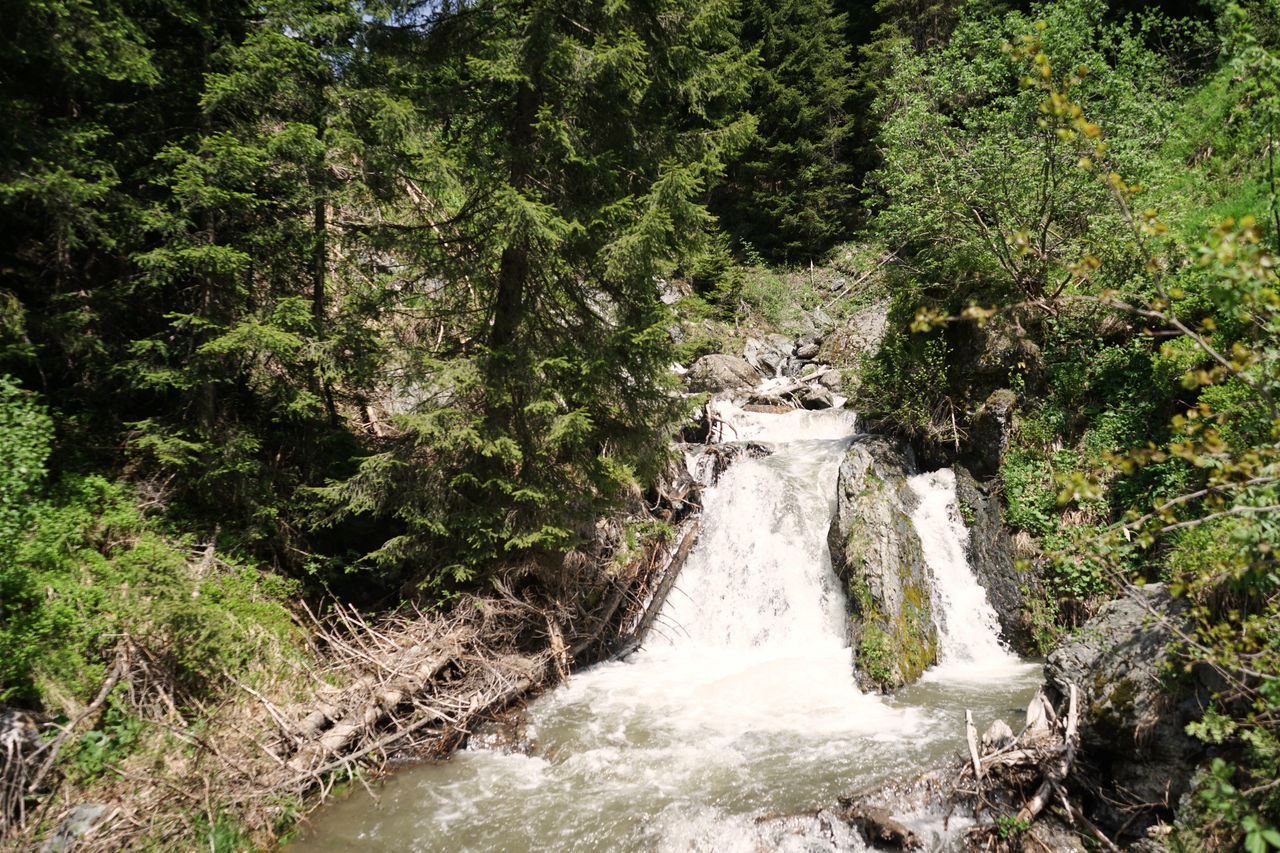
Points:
(789, 196)
(235, 369)
(565, 151)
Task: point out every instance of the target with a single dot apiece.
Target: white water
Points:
(969, 645)
(741, 703)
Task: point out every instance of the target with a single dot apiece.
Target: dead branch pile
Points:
(410, 683)
(1006, 781)
(1010, 781)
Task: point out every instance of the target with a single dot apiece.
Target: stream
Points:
(741, 702)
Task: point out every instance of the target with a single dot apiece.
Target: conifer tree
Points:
(566, 149)
(790, 196)
(237, 366)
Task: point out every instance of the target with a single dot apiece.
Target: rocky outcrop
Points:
(858, 336)
(856, 339)
(719, 372)
(988, 439)
(1132, 726)
(990, 552)
(877, 556)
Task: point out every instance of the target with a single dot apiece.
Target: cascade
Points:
(741, 702)
(968, 627)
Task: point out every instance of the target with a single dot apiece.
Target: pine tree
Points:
(565, 152)
(790, 195)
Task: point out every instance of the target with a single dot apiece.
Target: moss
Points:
(918, 643)
(914, 595)
(875, 655)
(860, 595)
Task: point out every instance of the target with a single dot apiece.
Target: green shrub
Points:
(92, 569)
(1026, 480)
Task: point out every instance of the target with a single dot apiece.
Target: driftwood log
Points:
(1040, 758)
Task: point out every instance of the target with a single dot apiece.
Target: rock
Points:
(816, 397)
(1002, 346)
(671, 292)
(876, 554)
(989, 429)
(808, 352)
(773, 354)
(832, 379)
(997, 736)
(1052, 835)
(720, 372)
(990, 552)
(78, 821)
(781, 343)
(793, 366)
(1132, 727)
(879, 827)
(857, 338)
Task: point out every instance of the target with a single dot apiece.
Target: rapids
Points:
(740, 704)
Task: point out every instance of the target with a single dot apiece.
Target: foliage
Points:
(788, 195)
(875, 655)
(1222, 531)
(25, 438)
(1008, 826)
(1030, 492)
(93, 571)
(906, 385)
(989, 200)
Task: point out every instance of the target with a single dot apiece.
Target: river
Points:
(740, 704)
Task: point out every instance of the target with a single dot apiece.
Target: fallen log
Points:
(667, 583)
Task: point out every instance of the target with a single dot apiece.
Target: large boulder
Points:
(1133, 718)
(990, 551)
(877, 556)
(807, 347)
(719, 372)
(816, 396)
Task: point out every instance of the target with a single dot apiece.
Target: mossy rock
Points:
(877, 555)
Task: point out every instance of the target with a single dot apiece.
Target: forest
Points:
(356, 309)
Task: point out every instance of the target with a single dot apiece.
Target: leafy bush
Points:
(92, 570)
(906, 385)
(1030, 492)
(26, 433)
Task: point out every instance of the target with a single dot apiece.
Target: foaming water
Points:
(969, 644)
(741, 703)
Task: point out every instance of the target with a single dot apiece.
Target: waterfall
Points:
(968, 628)
(741, 702)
